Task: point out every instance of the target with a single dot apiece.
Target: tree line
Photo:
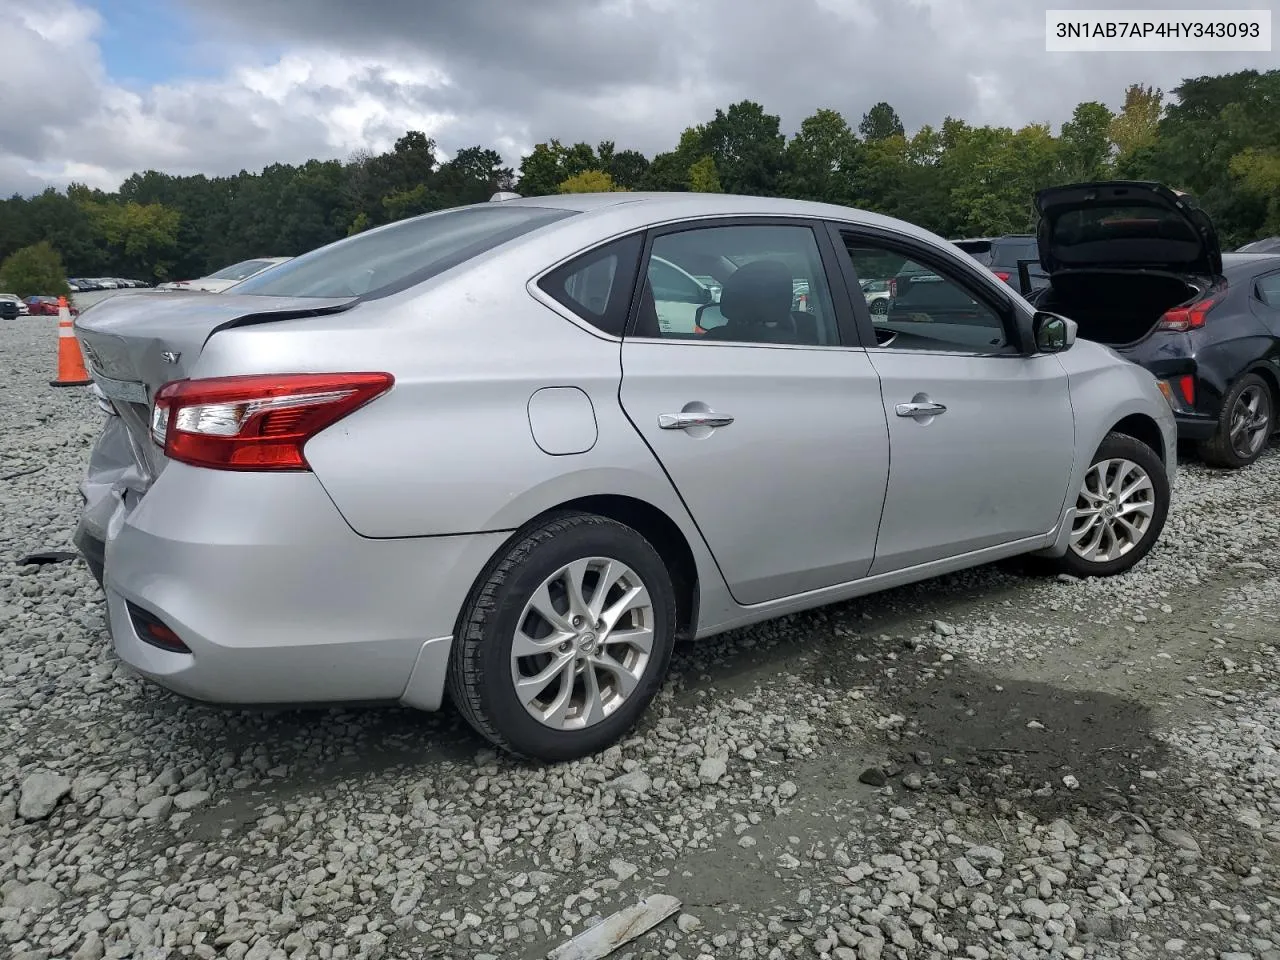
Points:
(1216, 137)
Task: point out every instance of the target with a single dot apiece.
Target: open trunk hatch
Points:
(1124, 224)
(134, 345)
(1116, 308)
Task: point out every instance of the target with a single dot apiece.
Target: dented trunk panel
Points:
(134, 345)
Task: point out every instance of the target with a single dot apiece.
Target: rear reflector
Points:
(151, 629)
(1187, 387)
(1188, 317)
(257, 422)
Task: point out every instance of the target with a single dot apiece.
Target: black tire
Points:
(879, 307)
(480, 682)
(1119, 446)
(1219, 451)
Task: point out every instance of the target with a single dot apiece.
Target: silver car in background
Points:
(460, 455)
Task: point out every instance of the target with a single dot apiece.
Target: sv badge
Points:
(169, 356)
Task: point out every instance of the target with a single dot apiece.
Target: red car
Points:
(46, 307)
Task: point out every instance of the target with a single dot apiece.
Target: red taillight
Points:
(1189, 317)
(256, 422)
(893, 286)
(1187, 387)
(1001, 275)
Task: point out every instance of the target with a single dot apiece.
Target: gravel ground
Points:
(982, 766)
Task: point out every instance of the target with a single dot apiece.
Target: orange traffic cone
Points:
(71, 369)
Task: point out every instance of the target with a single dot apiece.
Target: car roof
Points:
(657, 207)
(1249, 262)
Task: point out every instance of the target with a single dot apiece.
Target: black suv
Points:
(1000, 255)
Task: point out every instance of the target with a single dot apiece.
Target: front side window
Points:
(928, 308)
(391, 258)
(772, 287)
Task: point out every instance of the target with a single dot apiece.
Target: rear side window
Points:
(597, 286)
(399, 255)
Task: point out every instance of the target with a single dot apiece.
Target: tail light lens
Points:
(1002, 275)
(1188, 317)
(257, 422)
(1187, 387)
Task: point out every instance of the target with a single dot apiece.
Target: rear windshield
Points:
(238, 271)
(1007, 253)
(1120, 234)
(399, 255)
(980, 250)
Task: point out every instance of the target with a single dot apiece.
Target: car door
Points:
(770, 425)
(981, 436)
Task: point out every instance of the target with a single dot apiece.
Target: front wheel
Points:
(1245, 424)
(566, 639)
(1120, 509)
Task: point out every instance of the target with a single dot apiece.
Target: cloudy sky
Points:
(92, 90)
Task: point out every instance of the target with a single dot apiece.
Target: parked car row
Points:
(531, 448)
(85, 284)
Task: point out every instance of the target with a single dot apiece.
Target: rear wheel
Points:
(1245, 424)
(879, 307)
(566, 639)
(1120, 509)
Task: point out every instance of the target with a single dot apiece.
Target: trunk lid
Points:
(134, 345)
(1123, 224)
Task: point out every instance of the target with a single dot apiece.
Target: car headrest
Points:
(757, 293)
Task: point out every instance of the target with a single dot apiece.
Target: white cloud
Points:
(508, 73)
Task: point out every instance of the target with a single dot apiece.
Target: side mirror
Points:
(1053, 333)
(705, 296)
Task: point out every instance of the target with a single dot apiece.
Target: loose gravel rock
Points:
(986, 766)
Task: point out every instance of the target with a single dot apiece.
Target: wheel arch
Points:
(1267, 372)
(1144, 429)
(650, 521)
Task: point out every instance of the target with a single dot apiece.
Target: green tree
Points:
(670, 171)
(34, 271)
(821, 159)
(141, 239)
(880, 123)
(1085, 143)
(1134, 128)
(1259, 171)
(588, 181)
(628, 168)
(703, 177)
(748, 147)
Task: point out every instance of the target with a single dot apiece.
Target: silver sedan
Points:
(507, 454)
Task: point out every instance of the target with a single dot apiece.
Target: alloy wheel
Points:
(1250, 421)
(583, 643)
(1114, 510)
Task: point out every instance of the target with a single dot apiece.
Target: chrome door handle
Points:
(920, 409)
(682, 421)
